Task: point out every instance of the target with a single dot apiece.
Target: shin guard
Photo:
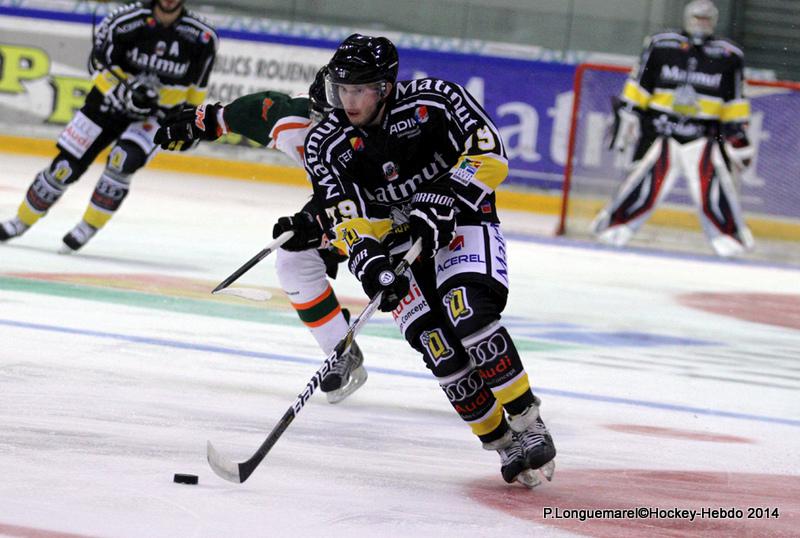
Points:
(475, 404)
(497, 361)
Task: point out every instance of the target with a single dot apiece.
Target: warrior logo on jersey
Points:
(436, 345)
(205, 37)
(421, 114)
(456, 303)
(151, 22)
(390, 171)
(466, 171)
(358, 143)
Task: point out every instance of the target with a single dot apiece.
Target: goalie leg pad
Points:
(650, 180)
(712, 188)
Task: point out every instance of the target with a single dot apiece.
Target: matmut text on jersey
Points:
(432, 130)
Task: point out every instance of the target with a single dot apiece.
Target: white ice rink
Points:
(668, 382)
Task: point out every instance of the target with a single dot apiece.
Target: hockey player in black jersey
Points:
(398, 161)
(277, 120)
(146, 59)
(684, 108)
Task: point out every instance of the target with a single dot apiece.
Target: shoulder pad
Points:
(197, 27)
(125, 8)
(667, 39)
(728, 45)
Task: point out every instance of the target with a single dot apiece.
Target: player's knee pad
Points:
(126, 157)
(65, 169)
(472, 305)
(499, 365)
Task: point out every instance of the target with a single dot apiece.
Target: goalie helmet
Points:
(700, 18)
(363, 59)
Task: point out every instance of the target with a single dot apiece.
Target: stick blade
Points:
(251, 294)
(222, 466)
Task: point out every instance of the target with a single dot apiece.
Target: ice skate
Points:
(513, 465)
(346, 376)
(12, 228)
(537, 444)
(77, 237)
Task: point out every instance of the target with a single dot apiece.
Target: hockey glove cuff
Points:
(379, 277)
(306, 228)
(433, 218)
(737, 145)
(184, 128)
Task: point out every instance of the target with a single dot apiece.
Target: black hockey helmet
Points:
(362, 59)
(318, 103)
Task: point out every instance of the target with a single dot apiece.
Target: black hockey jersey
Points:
(432, 130)
(130, 42)
(689, 82)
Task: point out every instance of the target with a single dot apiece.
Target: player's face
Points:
(169, 6)
(360, 102)
(701, 25)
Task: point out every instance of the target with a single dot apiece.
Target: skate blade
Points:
(357, 378)
(548, 470)
(66, 249)
(528, 478)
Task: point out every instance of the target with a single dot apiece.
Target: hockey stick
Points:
(266, 251)
(251, 294)
(239, 472)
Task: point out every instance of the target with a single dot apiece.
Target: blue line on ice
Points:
(388, 371)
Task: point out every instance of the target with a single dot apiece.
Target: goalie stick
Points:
(266, 251)
(239, 472)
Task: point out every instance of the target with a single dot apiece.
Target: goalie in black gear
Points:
(146, 60)
(279, 121)
(399, 161)
(683, 107)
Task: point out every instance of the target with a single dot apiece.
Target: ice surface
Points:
(117, 365)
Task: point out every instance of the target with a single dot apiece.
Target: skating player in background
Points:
(398, 161)
(684, 109)
(146, 59)
(279, 121)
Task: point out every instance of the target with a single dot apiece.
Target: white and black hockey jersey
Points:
(364, 178)
(130, 42)
(702, 83)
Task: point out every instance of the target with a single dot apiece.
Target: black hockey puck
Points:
(185, 478)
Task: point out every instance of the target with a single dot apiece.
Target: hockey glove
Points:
(136, 99)
(737, 146)
(306, 228)
(379, 277)
(433, 218)
(183, 129)
(627, 126)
